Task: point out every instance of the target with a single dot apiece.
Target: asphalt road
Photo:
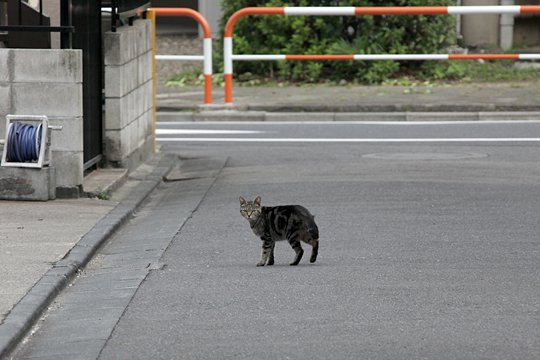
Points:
(429, 250)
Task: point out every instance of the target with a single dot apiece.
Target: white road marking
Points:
(349, 140)
(198, 132)
(400, 123)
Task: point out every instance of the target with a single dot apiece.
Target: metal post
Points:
(65, 20)
(20, 13)
(114, 5)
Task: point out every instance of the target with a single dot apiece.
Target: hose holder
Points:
(39, 125)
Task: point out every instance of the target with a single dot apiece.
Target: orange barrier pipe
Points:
(229, 27)
(530, 9)
(319, 57)
(207, 32)
(185, 12)
(358, 11)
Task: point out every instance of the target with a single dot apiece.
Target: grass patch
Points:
(491, 71)
(468, 71)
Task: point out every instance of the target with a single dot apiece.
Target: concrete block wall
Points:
(48, 82)
(128, 94)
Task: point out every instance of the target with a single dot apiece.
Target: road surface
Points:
(429, 249)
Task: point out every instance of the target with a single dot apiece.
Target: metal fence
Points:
(23, 22)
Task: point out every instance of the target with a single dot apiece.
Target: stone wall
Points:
(128, 94)
(48, 82)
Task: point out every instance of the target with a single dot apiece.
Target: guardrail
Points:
(229, 57)
(207, 45)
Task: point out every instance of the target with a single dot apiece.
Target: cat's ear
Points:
(242, 201)
(258, 200)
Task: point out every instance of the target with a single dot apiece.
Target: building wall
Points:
(51, 8)
(480, 30)
(212, 13)
(128, 94)
(48, 82)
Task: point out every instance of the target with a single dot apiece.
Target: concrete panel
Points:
(119, 112)
(116, 48)
(127, 43)
(144, 67)
(46, 65)
(141, 130)
(136, 100)
(70, 138)
(148, 95)
(121, 79)
(128, 90)
(5, 69)
(60, 100)
(144, 101)
(133, 129)
(144, 35)
(27, 184)
(5, 107)
(113, 114)
(480, 30)
(116, 145)
(144, 126)
(69, 168)
(146, 123)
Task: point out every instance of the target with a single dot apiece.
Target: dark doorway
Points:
(86, 17)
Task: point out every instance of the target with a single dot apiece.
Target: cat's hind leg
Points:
(315, 247)
(314, 251)
(295, 244)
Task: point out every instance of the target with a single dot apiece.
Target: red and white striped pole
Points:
(359, 11)
(207, 46)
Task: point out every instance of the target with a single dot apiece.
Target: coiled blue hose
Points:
(23, 142)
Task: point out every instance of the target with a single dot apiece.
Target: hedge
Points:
(272, 34)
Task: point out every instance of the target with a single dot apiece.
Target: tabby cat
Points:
(293, 223)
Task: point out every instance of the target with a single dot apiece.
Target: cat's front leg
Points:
(271, 258)
(267, 250)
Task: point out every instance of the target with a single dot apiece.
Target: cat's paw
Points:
(260, 263)
(297, 258)
(270, 262)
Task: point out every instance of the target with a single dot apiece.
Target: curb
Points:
(237, 115)
(372, 108)
(28, 310)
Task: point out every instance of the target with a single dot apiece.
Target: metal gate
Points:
(86, 16)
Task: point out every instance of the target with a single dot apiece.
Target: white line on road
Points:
(198, 131)
(349, 140)
(402, 123)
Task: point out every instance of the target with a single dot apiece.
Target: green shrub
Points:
(272, 34)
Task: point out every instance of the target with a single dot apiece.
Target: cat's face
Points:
(251, 210)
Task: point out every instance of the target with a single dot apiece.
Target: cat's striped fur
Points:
(293, 223)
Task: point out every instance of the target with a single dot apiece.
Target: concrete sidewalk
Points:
(43, 245)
